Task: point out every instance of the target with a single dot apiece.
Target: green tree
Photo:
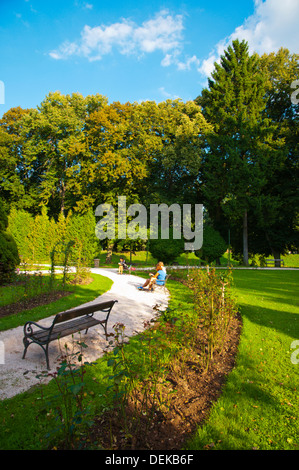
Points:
(9, 257)
(174, 171)
(121, 144)
(278, 217)
(17, 181)
(213, 247)
(21, 228)
(244, 147)
(119, 149)
(54, 146)
(273, 216)
(166, 250)
(42, 236)
(81, 229)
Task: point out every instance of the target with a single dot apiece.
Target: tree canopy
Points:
(233, 149)
(247, 157)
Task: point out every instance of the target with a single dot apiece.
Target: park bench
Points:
(274, 262)
(163, 286)
(66, 323)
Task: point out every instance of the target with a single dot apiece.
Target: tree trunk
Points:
(245, 238)
(130, 252)
(62, 193)
(276, 256)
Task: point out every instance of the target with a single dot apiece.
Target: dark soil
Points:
(193, 391)
(27, 304)
(39, 300)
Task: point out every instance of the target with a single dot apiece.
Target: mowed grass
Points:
(79, 295)
(145, 259)
(258, 408)
(259, 405)
(27, 418)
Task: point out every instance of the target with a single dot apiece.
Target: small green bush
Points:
(9, 256)
(166, 250)
(213, 246)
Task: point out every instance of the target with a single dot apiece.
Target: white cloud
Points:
(188, 63)
(207, 65)
(162, 33)
(167, 95)
(66, 49)
(83, 5)
(274, 24)
(167, 61)
(98, 41)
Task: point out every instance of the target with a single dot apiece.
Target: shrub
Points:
(20, 224)
(80, 229)
(36, 237)
(215, 308)
(213, 246)
(9, 256)
(166, 250)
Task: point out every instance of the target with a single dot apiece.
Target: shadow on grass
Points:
(269, 298)
(282, 283)
(280, 320)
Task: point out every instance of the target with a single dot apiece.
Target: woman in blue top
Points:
(158, 278)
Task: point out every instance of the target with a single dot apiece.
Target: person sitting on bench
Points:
(158, 278)
(122, 265)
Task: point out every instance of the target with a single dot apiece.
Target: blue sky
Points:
(128, 50)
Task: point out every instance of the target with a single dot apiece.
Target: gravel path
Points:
(133, 308)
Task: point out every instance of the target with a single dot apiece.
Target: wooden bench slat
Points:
(272, 261)
(65, 329)
(79, 311)
(65, 324)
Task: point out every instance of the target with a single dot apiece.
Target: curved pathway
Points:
(133, 308)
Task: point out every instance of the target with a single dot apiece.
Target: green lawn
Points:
(142, 258)
(26, 418)
(80, 294)
(258, 408)
(259, 405)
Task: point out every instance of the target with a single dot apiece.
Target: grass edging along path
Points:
(257, 409)
(80, 294)
(259, 405)
(25, 418)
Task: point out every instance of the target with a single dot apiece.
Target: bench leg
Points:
(47, 356)
(26, 344)
(103, 323)
(105, 330)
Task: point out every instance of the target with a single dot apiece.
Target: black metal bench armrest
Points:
(64, 324)
(28, 330)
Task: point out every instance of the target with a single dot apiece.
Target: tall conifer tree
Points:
(241, 150)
